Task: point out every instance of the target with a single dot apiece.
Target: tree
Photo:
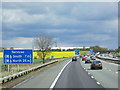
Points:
(11, 47)
(44, 44)
(99, 49)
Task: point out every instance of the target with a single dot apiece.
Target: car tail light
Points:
(100, 64)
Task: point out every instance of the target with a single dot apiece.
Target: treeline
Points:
(95, 49)
(103, 50)
(85, 49)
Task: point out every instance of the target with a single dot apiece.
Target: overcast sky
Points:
(71, 24)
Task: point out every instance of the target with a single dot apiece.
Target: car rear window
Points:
(98, 62)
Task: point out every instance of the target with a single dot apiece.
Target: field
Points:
(55, 54)
(37, 61)
(1, 54)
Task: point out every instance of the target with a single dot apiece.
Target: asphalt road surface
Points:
(43, 79)
(74, 76)
(107, 77)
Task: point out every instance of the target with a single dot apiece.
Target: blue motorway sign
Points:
(52, 57)
(91, 50)
(77, 51)
(18, 57)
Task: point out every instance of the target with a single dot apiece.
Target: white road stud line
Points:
(56, 79)
(98, 83)
(92, 77)
(89, 73)
(116, 72)
(113, 64)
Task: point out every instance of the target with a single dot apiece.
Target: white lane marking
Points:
(56, 79)
(88, 73)
(109, 69)
(116, 72)
(98, 83)
(109, 63)
(92, 77)
(22, 82)
(114, 64)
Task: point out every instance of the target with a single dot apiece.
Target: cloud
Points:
(20, 17)
(19, 42)
(73, 24)
(61, 1)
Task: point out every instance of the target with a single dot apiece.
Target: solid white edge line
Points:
(22, 82)
(56, 79)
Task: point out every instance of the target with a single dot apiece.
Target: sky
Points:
(69, 23)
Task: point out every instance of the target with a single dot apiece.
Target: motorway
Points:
(74, 75)
(107, 77)
(43, 79)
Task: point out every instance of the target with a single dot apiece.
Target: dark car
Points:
(74, 59)
(81, 56)
(87, 60)
(96, 65)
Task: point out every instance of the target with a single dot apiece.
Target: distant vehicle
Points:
(93, 59)
(114, 57)
(83, 58)
(96, 64)
(74, 59)
(91, 56)
(88, 60)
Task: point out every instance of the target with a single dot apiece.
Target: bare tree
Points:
(43, 43)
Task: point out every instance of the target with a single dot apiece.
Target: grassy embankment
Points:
(38, 61)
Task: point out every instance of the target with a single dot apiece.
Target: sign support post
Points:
(8, 68)
(18, 67)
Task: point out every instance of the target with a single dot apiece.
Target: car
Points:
(88, 60)
(93, 58)
(83, 58)
(74, 59)
(96, 65)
